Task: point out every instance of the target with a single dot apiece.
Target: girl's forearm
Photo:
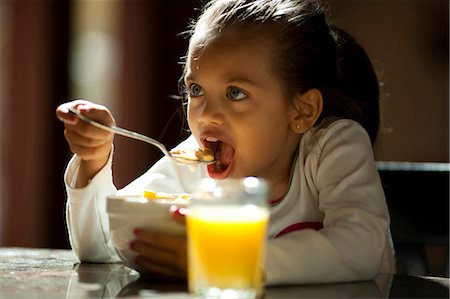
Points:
(88, 169)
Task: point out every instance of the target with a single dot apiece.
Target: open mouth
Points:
(224, 156)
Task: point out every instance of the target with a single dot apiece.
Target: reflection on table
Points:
(46, 273)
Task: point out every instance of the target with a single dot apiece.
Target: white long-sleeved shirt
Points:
(332, 225)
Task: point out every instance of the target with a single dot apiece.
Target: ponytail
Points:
(357, 80)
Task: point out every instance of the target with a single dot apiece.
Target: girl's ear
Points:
(307, 109)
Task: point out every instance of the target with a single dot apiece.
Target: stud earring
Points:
(298, 126)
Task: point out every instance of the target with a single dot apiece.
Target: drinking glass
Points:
(226, 226)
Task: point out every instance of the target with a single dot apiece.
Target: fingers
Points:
(85, 134)
(94, 111)
(86, 148)
(161, 254)
(160, 240)
(153, 255)
(160, 271)
(85, 140)
(63, 113)
(178, 214)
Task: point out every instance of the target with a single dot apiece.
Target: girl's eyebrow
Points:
(242, 80)
(231, 80)
(188, 77)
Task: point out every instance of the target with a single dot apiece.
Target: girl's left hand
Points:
(160, 255)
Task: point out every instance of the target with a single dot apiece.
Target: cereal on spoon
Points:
(205, 155)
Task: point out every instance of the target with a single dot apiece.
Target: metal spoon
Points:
(137, 136)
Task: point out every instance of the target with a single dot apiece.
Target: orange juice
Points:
(226, 247)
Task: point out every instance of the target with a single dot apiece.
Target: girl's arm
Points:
(353, 244)
(86, 217)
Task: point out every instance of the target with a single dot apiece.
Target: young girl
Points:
(279, 94)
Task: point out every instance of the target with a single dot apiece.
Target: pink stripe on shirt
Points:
(299, 226)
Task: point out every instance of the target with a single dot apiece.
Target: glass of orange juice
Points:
(226, 227)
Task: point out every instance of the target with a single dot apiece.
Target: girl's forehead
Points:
(233, 57)
(227, 38)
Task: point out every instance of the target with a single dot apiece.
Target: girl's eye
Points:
(195, 90)
(236, 94)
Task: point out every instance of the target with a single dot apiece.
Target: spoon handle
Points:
(121, 131)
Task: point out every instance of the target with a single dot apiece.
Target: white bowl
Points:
(129, 212)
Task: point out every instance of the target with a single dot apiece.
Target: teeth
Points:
(211, 139)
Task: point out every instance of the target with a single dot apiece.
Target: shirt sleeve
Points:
(340, 169)
(86, 216)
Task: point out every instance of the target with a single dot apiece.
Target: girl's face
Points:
(236, 106)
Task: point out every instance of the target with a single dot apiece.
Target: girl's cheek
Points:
(190, 112)
(190, 120)
(192, 116)
(193, 127)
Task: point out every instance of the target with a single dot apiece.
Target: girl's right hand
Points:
(91, 144)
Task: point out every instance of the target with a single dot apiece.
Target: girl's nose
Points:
(211, 112)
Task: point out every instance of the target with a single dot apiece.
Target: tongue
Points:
(225, 157)
(226, 154)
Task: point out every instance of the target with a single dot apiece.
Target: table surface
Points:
(51, 273)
